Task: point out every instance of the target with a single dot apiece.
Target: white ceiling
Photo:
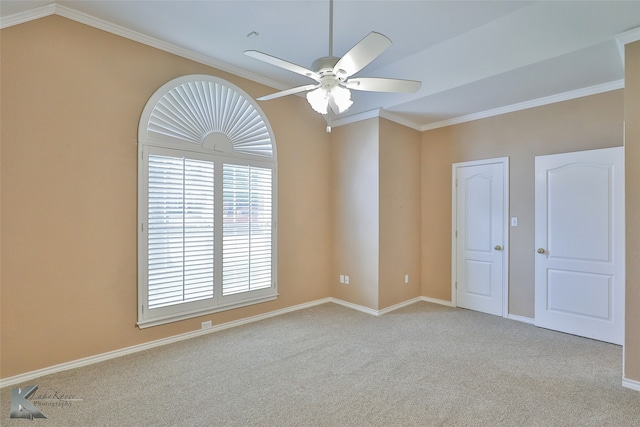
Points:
(473, 57)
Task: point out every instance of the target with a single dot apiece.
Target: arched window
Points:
(207, 182)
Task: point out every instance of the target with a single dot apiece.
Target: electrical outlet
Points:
(346, 280)
(206, 325)
(406, 278)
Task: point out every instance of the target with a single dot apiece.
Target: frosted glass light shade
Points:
(320, 98)
(342, 98)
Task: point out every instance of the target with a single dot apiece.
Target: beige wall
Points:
(355, 205)
(376, 212)
(632, 160)
(399, 213)
(580, 124)
(72, 96)
(371, 200)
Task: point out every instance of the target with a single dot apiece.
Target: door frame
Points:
(505, 228)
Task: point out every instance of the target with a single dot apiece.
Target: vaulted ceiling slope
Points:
(474, 58)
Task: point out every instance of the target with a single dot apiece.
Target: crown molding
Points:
(398, 118)
(29, 15)
(118, 30)
(625, 38)
(566, 96)
(356, 118)
(83, 18)
(389, 115)
(629, 36)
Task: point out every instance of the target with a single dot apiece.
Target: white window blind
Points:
(207, 205)
(247, 223)
(180, 231)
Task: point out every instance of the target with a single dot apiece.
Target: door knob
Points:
(498, 248)
(541, 251)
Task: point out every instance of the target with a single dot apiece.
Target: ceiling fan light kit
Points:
(338, 98)
(332, 74)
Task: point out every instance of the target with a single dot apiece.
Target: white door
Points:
(579, 237)
(480, 236)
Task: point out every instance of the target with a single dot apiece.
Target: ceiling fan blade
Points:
(365, 51)
(379, 84)
(287, 92)
(290, 66)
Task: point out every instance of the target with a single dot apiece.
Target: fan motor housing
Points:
(324, 65)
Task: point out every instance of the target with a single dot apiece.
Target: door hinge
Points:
(456, 233)
(456, 285)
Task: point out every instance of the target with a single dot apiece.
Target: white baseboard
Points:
(355, 306)
(400, 305)
(28, 376)
(632, 384)
(438, 301)
(523, 319)
(388, 309)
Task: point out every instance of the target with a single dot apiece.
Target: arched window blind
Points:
(207, 201)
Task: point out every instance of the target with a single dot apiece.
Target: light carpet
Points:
(422, 365)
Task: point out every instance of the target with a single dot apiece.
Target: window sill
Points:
(147, 323)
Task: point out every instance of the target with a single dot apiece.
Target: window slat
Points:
(180, 221)
(247, 229)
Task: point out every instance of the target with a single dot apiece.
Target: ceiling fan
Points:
(333, 75)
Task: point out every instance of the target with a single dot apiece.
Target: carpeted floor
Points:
(422, 365)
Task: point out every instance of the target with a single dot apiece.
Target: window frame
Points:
(199, 151)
